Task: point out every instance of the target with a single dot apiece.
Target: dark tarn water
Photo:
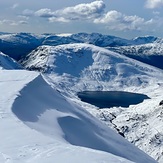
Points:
(107, 99)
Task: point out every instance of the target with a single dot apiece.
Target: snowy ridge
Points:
(54, 118)
(8, 63)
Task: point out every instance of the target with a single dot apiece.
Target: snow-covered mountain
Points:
(81, 60)
(8, 63)
(151, 53)
(17, 45)
(20, 44)
(38, 124)
(145, 39)
(79, 67)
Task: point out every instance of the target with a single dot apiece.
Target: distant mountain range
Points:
(148, 49)
(150, 53)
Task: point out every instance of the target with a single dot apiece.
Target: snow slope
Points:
(79, 67)
(7, 63)
(40, 125)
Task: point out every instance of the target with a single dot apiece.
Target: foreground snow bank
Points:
(45, 110)
(20, 143)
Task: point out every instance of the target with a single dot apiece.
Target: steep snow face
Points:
(78, 67)
(7, 63)
(58, 129)
(149, 53)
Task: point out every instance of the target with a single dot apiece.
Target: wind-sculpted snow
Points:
(45, 110)
(19, 143)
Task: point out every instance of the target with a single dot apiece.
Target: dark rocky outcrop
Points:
(161, 103)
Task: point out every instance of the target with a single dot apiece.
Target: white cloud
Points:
(23, 17)
(28, 12)
(109, 17)
(154, 4)
(86, 10)
(13, 22)
(118, 21)
(15, 6)
(58, 19)
(156, 13)
(82, 11)
(44, 13)
(22, 22)
(94, 12)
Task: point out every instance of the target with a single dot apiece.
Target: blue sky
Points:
(124, 18)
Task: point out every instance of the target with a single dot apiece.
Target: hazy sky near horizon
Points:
(124, 18)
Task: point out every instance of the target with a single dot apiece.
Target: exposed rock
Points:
(161, 103)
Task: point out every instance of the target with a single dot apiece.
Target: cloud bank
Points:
(94, 12)
(154, 4)
(78, 12)
(12, 22)
(118, 21)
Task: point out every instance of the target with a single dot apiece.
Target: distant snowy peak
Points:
(151, 53)
(145, 39)
(144, 49)
(20, 38)
(7, 63)
(17, 45)
(97, 39)
(101, 40)
(58, 39)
